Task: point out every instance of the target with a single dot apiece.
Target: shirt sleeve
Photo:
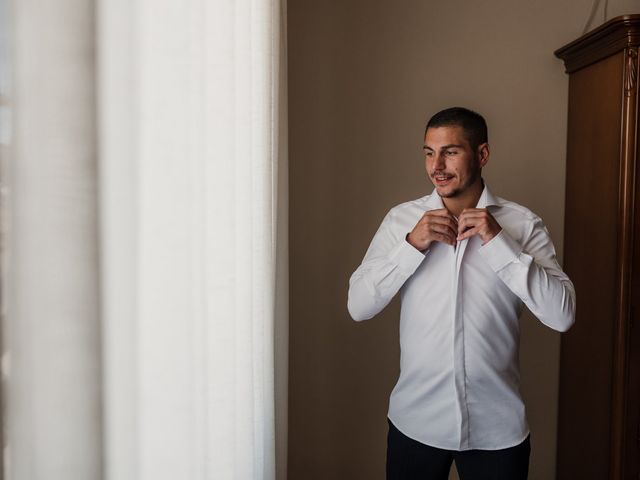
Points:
(389, 261)
(531, 271)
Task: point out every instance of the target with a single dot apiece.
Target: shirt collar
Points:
(486, 199)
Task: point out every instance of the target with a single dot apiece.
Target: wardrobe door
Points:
(632, 433)
(590, 253)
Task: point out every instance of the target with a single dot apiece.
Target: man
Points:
(465, 262)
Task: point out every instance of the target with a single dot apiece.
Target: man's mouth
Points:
(442, 179)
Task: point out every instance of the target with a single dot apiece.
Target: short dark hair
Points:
(473, 124)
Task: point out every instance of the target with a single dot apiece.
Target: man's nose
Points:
(439, 161)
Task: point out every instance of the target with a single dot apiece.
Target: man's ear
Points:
(483, 154)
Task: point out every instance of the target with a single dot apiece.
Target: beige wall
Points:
(364, 76)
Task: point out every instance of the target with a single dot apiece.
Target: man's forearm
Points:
(378, 279)
(537, 280)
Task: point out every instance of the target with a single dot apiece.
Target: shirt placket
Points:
(460, 376)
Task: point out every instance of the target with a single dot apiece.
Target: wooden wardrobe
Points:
(599, 404)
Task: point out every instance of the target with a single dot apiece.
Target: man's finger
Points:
(473, 210)
(444, 221)
(444, 229)
(467, 223)
(440, 237)
(469, 233)
(442, 212)
(467, 214)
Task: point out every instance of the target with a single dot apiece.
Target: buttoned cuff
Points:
(406, 256)
(500, 251)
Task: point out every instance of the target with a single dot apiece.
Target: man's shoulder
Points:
(410, 206)
(511, 208)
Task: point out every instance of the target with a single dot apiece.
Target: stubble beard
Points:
(475, 174)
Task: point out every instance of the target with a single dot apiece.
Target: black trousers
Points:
(408, 459)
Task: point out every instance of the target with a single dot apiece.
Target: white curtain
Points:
(51, 342)
(187, 248)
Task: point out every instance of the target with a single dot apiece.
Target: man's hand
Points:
(435, 225)
(477, 221)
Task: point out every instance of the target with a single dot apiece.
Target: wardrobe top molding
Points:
(609, 38)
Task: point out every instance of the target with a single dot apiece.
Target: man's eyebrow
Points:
(444, 147)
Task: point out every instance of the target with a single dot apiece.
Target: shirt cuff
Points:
(406, 256)
(500, 251)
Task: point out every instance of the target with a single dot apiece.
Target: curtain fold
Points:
(147, 329)
(190, 126)
(51, 343)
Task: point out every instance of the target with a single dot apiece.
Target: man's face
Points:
(451, 164)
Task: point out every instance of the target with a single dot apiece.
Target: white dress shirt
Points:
(459, 330)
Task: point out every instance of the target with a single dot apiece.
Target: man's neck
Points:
(468, 199)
